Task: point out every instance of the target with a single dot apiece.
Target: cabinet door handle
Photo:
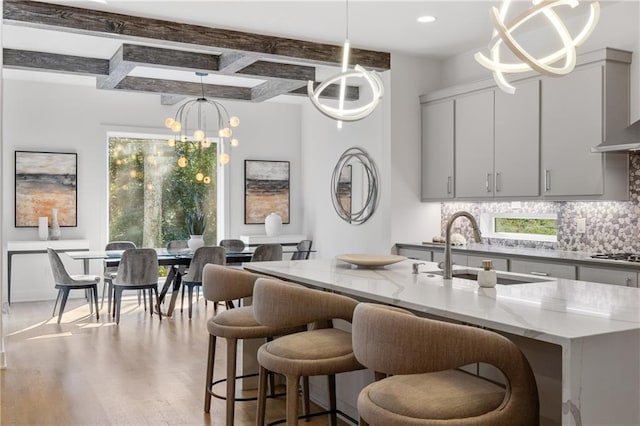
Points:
(449, 185)
(498, 182)
(487, 182)
(547, 179)
(540, 274)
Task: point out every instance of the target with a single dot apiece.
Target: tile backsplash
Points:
(612, 226)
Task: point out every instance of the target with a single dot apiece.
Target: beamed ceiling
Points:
(280, 66)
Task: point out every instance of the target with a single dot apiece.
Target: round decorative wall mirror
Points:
(354, 186)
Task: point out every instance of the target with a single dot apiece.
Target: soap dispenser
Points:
(487, 277)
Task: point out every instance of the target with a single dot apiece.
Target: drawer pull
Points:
(540, 274)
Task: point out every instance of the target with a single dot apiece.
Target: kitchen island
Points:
(582, 339)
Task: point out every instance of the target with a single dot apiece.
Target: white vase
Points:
(273, 224)
(54, 232)
(195, 242)
(43, 228)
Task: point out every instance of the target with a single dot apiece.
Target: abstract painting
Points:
(46, 181)
(266, 190)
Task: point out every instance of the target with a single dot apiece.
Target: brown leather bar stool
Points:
(221, 284)
(316, 352)
(425, 387)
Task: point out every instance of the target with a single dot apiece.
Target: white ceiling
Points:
(376, 25)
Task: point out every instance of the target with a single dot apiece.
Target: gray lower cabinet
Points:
(499, 264)
(415, 254)
(543, 269)
(608, 276)
(437, 150)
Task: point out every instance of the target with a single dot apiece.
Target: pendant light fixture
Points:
(370, 77)
(199, 122)
(503, 34)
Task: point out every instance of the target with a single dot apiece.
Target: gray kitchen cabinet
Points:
(474, 145)
(456, 259)
(437, 150)
(608, 276)
(543, 269)
(499, 264)
(425, 255)
(498, 143)
(517, 141)
(577, 111)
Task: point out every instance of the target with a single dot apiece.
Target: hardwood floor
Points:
(87, 372)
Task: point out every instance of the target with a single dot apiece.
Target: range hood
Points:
(625, 140)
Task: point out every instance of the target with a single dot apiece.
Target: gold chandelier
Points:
(197, 124)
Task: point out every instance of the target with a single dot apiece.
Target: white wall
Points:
(411, 219)
(43, 116)
(322, 145)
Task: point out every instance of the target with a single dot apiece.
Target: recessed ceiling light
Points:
(426, 19)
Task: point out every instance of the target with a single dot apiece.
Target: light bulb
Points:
(169, 122)
(224, 158)
(171, 142)
(235, 142)
(234, 121)
(150, 186)
(199, 176)
(176, 126)
(207, 180)
(206, 143)
(183, 138)
(182, 162)
(134, 156)
(132, 173)
(221, 133)
(198, 135)
(227, 132)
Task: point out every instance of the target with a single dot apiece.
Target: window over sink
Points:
(520, 226)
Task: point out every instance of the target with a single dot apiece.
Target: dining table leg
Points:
(177, 281)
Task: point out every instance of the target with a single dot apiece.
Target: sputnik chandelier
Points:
(503, 34)
(370, 77)
(194, 133)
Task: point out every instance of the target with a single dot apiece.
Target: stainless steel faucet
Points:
(447, 244)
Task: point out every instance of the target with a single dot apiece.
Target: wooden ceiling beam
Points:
(25, 59)
(88, 21)
(154, 85)
(352, 93)
(130, 56)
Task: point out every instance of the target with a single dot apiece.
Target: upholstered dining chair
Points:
(110, 271)
(424, 388)
(302, 250)
(267, 252)
(65, 283)
(138, 270)
(316, 352)
(223, 283)
(232, 245)
(193, 278)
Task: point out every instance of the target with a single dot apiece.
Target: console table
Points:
(38, 247)
(285, 240)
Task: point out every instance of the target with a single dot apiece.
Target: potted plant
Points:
(196, 224)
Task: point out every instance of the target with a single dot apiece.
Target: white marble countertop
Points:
(578, 257)
(555, 311)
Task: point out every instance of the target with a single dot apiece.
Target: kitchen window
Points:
(520, 226)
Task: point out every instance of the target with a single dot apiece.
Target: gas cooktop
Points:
(628, 257)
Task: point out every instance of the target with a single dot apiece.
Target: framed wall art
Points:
(46, 181)
(266, 190)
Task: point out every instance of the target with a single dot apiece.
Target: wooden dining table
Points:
(173, 260)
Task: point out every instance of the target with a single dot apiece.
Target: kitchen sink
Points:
(504, 278)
